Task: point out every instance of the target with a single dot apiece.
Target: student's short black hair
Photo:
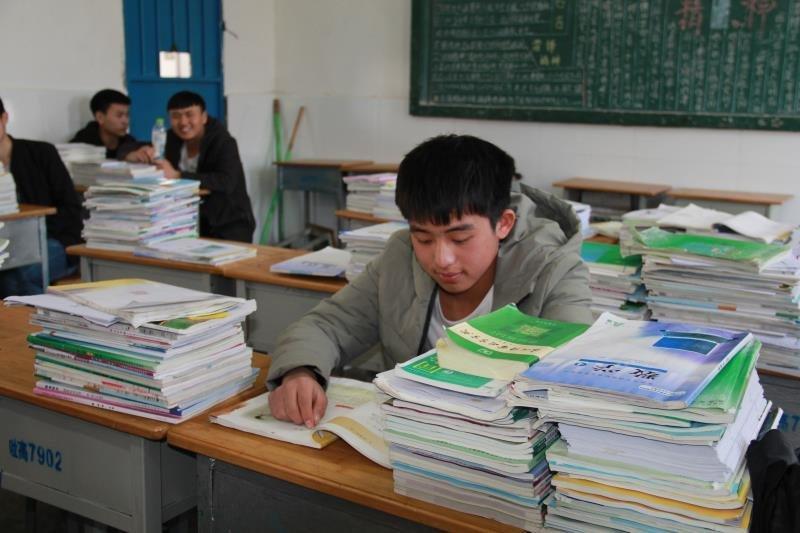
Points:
(102, 100)
(451, 176)
(184, 99)
(2, 107)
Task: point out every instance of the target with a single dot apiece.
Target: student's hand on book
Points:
(299, 399)
(169, 171)
(145, 154)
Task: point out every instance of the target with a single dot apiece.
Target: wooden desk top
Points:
(621, 187)
(342, 164)
(257, 269)
(29, 211)
(375, 168)
(127, 257)
(740, 197)
(356, 215)
(337, 470)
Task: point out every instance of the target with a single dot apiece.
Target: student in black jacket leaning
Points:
(41, 178)
(200, 148)
(111, 112)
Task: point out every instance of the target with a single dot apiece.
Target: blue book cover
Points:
(664, 364)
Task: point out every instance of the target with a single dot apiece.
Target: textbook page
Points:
(353, 414)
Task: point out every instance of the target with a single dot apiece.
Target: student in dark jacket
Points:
(200, 148)
(109, 128)
(41, 178)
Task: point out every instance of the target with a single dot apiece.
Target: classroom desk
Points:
(760, 200)
(641, 194)
(282, 298)
(114, 468)
(27, 232)
(250, 483)
(100, 265)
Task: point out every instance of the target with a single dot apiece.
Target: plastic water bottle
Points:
(158, 137)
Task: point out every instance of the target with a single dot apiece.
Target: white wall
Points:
(348, 62)
(56, 54)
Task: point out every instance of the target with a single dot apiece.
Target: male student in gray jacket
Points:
(471, 247)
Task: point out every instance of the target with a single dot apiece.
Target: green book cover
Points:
(510, 334)
(727, 388)
(709, 246)
(608, 254)
(428, 367)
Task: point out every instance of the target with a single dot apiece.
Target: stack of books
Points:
(733, 283)
(385, 206)
(92, 172)
(127, 215)
(615, 282)
(83, 156)
(655, 420)
(453, 438)
(198, 251)
(364, 244)
(363, 189)
(8, 192)
(140, 347)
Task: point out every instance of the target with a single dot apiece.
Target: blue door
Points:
(153, 26)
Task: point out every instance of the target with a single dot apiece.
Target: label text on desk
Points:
(30, 452)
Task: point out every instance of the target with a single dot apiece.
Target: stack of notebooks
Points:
(140, 347)
(82, 155)
(616, 282)
(366, 243)
(127, 215)
(363, 190)
(729, 282)
(93, 171)
(198, 251)
(8, 192)
(453, 438)
(655, 420)
(385, 206)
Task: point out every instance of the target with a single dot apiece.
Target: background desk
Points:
(115, 468)
(247, 482)
(761, 201)
(641, 195)
(100, 265)
(282, 299)
(27, 232)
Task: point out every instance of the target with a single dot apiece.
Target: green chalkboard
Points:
(703, 63)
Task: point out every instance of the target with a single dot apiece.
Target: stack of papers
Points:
(364, 244)
(84, 156)
(92, 172)
(616, 282)
(140, 212)
(385, 206)
(139, 347)
(725, 282)
(655, 420)
(748, 225)
(363, 189)
(198, 251)
(8, 192)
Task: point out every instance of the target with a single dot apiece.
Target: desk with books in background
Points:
(26, 232)
(111, 467)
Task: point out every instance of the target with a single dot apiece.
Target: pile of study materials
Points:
(728, 282)
(199, 251)
(80, 153)
(363, 190)
(140, 347)
(91, 172)
(366, 243)
(616, 282)
(385, 206)
(8, 192)
(453, 439)
(140, 212)
(655, 420)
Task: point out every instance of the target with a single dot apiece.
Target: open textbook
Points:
(328, 262)
(353, 413)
